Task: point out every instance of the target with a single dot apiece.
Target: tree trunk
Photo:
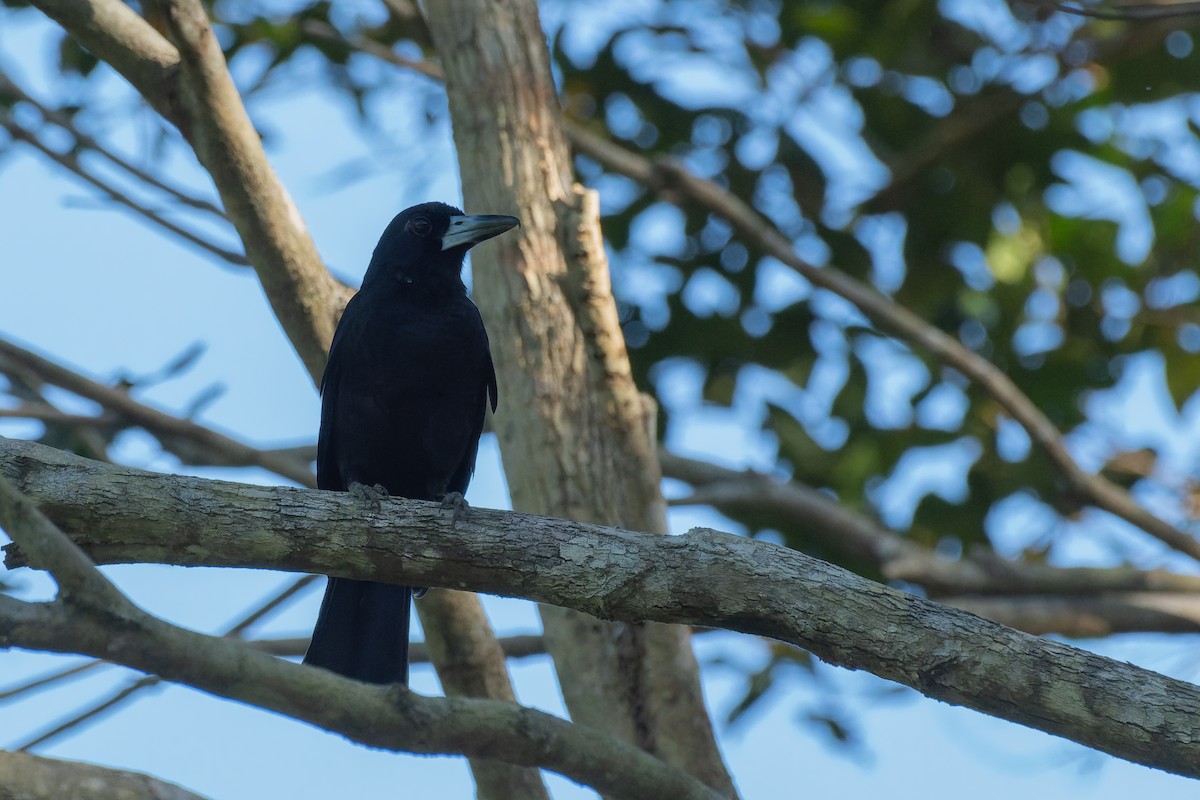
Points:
(574, 433)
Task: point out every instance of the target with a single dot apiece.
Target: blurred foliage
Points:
(1026, 181)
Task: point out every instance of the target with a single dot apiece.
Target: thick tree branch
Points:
(983, 575)
(27, 777)
(391, 718)
(77, 577)
(470, 663)
(703, 578)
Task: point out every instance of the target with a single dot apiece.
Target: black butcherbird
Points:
(403, 404)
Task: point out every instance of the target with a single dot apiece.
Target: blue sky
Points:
(93, 287)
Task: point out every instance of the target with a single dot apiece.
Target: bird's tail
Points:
(362, 631)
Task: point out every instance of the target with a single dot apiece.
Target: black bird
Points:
(402, 406)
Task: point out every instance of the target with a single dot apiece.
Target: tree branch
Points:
(672, 179)
(901, 559)
(386, 717)
(980, 574)
(702, 578)
(38, 778)
(165, 427)
(470, 662)
(197, 95)
(77, 577)
(1083, 616)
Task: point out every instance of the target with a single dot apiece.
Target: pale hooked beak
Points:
(467, 230)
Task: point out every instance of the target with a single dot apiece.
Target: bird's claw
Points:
(454, 501)
(371, 495)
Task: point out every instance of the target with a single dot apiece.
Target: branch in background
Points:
(514, 647)
(858, 536)
(84, 142)
(37, 778)
(172, 431)
(390, 718)
(302, 294)
(130, 690)
(1129, 12)
(93, 712)
(470, 662)
(702, 578)
(322, 30)
(673, 180)
(1090, 615)
(70, 161)
(196, 94)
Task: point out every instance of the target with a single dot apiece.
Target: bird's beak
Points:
(469, 230)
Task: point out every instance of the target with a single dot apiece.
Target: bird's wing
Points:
(328, 472)
(488, 396)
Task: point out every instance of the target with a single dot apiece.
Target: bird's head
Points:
(425, 245)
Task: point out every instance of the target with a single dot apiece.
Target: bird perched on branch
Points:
(403, 400)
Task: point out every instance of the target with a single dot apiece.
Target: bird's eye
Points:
(420, 226)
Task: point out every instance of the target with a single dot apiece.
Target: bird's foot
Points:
(371, 495)
(455, 502)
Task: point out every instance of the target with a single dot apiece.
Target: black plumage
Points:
(404, 396)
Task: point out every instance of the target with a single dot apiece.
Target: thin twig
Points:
(85, 142)
(161, 424)
(70, 161)
(122, 695)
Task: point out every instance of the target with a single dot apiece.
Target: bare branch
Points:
(1123, 11)
(78, 579)
(470, 662)
(166, 427)
(702, 578)
(197, 95)
(839, 528)
(672, 179)
(38, 778)
(1085, 616)
(93, 711)
(116, 34)
(86, 143)
(387, 717)
(70, 161)
(58, 676)
(322, 30)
